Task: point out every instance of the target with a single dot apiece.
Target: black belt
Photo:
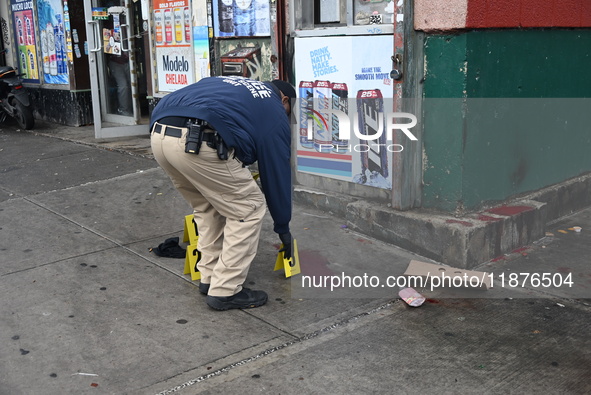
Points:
(180, 122)
(178, 132)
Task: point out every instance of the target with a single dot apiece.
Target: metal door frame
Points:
(111, 125)
(407, 57)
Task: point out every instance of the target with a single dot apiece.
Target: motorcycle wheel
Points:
(23, 116)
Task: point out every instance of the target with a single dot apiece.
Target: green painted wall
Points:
(505, 113)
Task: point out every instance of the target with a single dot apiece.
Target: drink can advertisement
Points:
(51, 49)
(370, 111)
(179, 25)
(44, 51)
(188, 24)
(58, 49)
(168, 25)
(29, 30)
(321, 119)
(158, 23)
(31, 59)
(340, 101)
(306, 103)
(19, 30)
(23, 62)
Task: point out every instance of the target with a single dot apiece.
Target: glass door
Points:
(117, 35)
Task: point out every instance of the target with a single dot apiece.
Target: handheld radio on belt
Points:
(197, 135)
(194, 136)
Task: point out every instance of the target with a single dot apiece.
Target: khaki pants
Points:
(227, 204)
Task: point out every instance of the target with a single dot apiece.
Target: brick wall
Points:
(447, 15)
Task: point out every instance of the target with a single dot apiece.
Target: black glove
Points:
(286, 240)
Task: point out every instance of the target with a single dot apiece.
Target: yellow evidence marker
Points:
(191, 236)
(291, 265)
(193, 256)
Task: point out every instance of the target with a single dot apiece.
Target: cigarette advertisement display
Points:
(24, 26)
(349, 74)
(173, 39)
(54, 48)
(241, 18)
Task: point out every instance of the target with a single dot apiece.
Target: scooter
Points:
(14, 99)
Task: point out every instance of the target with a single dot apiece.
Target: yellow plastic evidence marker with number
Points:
(291, 265)
(190, 233)
(193, 255)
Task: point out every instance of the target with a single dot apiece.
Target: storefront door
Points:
(117, 31)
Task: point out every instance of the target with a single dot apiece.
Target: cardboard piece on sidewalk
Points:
(291, 265)
(449, 275)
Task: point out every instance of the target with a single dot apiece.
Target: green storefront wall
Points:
(505, 112)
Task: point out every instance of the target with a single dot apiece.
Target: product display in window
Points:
(373, 12)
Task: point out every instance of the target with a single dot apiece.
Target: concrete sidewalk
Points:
(88, 309)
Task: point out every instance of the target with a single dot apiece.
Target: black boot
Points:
(247, 298)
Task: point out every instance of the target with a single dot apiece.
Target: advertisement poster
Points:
(173, 30)
(68, 29)
(241, 18)
(54, 49)
(201, 51)
(351, 74)
(24, 29)
(112, 37)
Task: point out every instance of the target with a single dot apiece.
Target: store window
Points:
(323, 14)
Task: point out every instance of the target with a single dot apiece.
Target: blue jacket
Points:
(251, 119)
